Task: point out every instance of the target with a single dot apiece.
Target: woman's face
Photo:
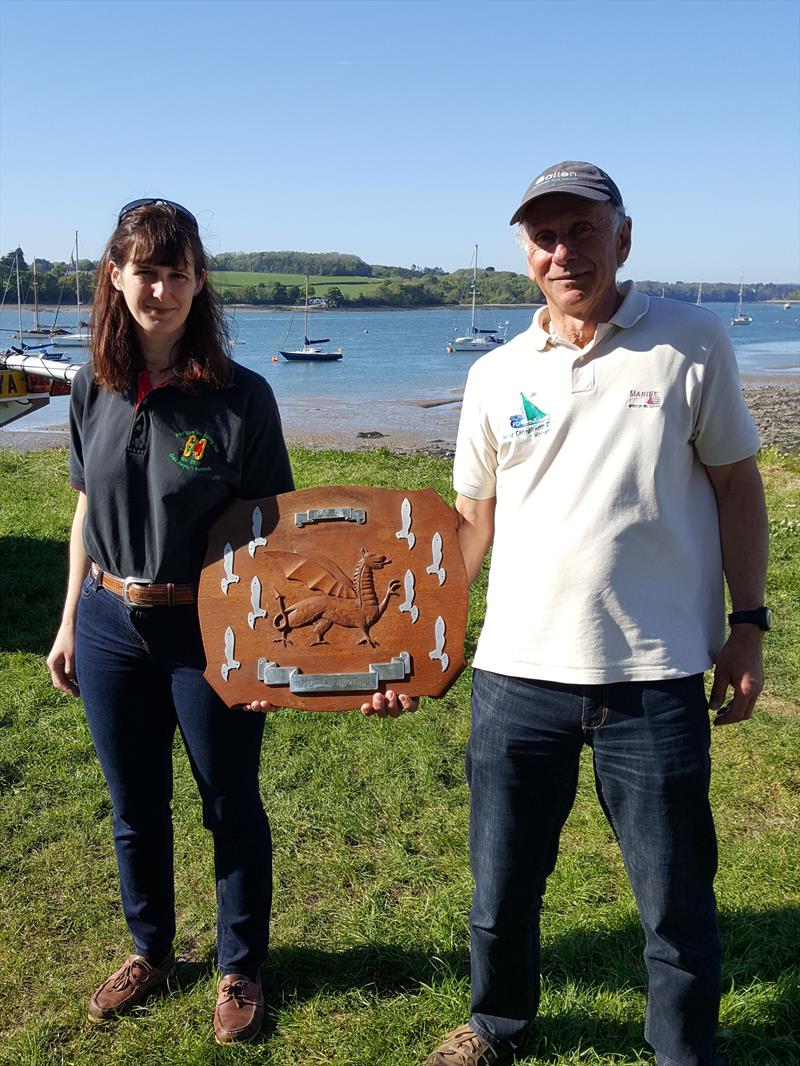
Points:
(159, 298)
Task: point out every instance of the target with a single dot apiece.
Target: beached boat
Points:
(310, 351)
(740, 318)
(477, 340)
(28, 381)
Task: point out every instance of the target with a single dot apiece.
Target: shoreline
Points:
(315, 309)
(774, 405)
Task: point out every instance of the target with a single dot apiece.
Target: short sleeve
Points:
(724, 431)
(475, 463)
(265, 462)
(81, 384)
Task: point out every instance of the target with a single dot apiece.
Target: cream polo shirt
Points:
(606, 564)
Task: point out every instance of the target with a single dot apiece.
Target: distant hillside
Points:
(718, 291)
(335, 264)
(429, 289)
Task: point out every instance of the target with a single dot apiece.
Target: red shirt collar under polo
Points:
(145, 385)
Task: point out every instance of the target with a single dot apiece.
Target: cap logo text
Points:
(556, 174)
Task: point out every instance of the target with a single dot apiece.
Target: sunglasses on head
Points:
(126, 210)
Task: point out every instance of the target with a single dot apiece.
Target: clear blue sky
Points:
(405, 132)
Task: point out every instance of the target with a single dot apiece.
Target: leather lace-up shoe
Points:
(240, 1009)
(463, 1047)
(128, 986)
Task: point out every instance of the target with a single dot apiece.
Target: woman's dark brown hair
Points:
(163, 236)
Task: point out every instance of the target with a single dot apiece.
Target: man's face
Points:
(574, 253)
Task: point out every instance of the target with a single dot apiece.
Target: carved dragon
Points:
(351, 603)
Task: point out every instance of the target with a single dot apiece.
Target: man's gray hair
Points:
(618, 216)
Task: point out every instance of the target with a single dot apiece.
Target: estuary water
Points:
(396, 373)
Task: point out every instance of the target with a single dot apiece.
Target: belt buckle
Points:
(126, 584)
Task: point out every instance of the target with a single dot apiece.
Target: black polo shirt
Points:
(158, 472)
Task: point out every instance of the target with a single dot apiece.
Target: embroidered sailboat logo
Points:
(531, 415)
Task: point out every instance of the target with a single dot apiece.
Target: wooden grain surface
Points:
(332, 593)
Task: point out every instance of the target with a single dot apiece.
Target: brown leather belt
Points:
(141, 594)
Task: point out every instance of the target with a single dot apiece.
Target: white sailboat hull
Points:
(73, 340)
(475, 344)
(477, 340)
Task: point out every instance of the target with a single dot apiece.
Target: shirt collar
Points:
(634, 306)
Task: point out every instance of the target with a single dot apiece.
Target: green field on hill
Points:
(240, 279)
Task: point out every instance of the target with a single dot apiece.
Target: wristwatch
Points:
(761, 617)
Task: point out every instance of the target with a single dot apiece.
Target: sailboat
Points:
(80, 339)
(740, 318)
(20, 333)
(37, 331)
(477, 340)
(310, 353)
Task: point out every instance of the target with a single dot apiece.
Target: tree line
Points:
(55, 282)
(398, 286)
(718, 291)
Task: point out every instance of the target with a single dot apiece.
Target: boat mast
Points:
(700, 294)
(305, 317)
(474, 290)
(19, 297)
(77, 283)
(741, 288)
(35, 300)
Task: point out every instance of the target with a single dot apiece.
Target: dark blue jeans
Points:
(140, 673)
(650, 743)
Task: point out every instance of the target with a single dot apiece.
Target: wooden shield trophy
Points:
(317, 599)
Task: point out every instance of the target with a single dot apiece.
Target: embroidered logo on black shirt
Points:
(193, 450)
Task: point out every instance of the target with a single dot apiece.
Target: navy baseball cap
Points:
(572, 177)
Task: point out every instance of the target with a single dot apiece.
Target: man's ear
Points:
(624, 241)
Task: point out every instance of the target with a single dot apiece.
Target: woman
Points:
(166, 429)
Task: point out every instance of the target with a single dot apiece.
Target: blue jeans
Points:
(650, 743)
(140, 673)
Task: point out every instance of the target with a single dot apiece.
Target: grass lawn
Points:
(372, 887)
(238, 279)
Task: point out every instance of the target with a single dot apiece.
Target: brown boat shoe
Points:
(239, 1010)
(463, 1047)
(128, 987)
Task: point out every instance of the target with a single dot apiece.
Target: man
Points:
(608, 455)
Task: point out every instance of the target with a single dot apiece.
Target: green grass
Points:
(370, 953)
(238, 279)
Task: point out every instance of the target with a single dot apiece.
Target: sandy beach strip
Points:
(429, 426)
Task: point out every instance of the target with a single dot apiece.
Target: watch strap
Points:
(760, 616)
